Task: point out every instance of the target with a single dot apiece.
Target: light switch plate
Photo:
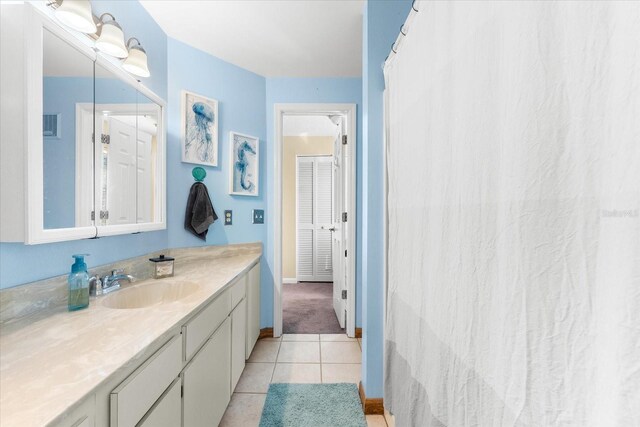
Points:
(258, 216)
(228, 217)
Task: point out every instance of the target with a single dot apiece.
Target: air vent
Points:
(51, 125)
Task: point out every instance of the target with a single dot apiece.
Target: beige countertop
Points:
(51, 361)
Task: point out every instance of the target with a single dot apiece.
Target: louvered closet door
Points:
(314, 188)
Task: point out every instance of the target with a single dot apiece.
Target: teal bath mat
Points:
(312, 405)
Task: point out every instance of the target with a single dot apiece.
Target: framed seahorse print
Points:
(244, 175)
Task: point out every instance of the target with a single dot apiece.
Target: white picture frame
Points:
(199, 141)
(244, 165)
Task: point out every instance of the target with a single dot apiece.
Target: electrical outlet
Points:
(258, 216)
(228, 217)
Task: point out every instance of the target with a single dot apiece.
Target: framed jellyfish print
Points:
(244, 175)
(199, 129)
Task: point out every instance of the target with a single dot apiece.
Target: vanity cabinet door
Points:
(238, 340)
(253, 308)
(167, 412)
(206, 380)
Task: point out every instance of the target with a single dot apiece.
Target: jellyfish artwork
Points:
(242, 164)
(201, 132)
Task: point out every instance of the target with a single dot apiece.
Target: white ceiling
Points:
(273, 38)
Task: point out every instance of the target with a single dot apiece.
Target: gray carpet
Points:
(307, 308)
(312, 405)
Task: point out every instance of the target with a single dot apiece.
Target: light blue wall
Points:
(310, 90)
(381, 26)
(21, 263)
(241, 108)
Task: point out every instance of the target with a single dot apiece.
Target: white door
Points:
(121, 173)
(144, 197)
(338, 246)
(314, 206)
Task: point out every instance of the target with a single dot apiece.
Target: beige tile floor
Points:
(294, 358)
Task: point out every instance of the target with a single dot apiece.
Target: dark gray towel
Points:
(200, 214)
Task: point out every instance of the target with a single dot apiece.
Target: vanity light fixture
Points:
(136, 62)
(111, 39)
(77, 15)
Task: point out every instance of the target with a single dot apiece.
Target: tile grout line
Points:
(320, 354)
(276, 362)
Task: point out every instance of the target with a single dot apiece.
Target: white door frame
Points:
(348, 110)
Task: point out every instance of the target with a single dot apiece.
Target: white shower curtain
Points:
(513, 160)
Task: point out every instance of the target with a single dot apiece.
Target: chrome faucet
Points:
(112, 282)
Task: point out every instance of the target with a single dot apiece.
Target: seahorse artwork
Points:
(242, 165)
(245, 164)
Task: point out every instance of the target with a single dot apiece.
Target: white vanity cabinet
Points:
(187, 381)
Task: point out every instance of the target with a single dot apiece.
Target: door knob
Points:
(332, 229)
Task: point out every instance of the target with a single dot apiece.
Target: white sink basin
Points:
(149, 294)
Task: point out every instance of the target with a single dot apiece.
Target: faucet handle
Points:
(117, 271)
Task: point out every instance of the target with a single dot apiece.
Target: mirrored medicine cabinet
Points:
(87, 157)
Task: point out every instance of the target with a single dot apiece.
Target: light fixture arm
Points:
(111, 21)
(132, 39)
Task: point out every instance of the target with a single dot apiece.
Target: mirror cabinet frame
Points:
(37, 21)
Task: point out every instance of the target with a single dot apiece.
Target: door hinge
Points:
(344, 139)
(344, 217)
(345, 253)
(344, 294)
(181, 391)
(104, 214)
(93, 137)
(106, 139)
(93, 215)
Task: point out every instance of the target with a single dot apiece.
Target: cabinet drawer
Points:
(238, 291)
(82, 416)
(137, 394)
(200, 328)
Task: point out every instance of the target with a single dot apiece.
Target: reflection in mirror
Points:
(147, 152)
(116, 118)
(67, 154)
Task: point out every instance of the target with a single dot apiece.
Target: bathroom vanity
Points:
(166, 352)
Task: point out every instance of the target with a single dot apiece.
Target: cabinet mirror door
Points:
(67, 147)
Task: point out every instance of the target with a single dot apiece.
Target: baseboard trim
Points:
(290, 280)
(370, 406)
(266, 333)
(358, 332)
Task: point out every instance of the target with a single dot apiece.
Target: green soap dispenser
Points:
(78, 284)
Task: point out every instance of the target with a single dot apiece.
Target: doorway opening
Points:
(314, 250)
